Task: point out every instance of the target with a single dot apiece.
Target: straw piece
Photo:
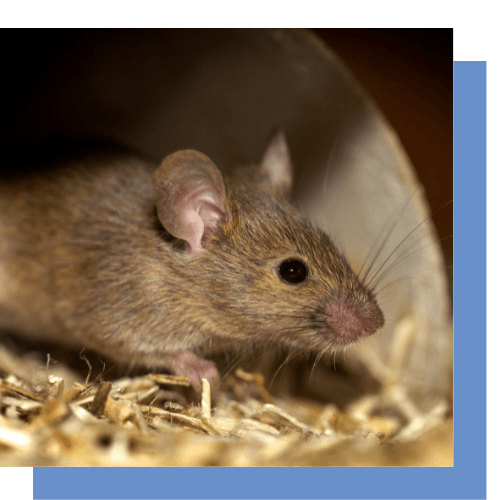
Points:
(205, 399)
(100, 398)
(258, 380)
(7, 387)
(15, 438)
(279, 418)
(170, 379)
(119, 411)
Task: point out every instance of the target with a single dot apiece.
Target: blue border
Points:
(467, 479)
(470, 243)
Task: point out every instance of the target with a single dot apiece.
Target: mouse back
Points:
(151, 263)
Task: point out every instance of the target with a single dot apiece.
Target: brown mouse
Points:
(154, 264)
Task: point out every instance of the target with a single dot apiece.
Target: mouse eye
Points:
(293, 271)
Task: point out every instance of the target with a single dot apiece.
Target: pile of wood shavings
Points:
(122, 424)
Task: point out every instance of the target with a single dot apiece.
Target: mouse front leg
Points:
(187, 364)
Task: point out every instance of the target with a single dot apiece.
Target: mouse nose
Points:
(351, 321)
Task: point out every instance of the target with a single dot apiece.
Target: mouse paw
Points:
(187, 364)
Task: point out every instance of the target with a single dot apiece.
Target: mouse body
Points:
(154, 264)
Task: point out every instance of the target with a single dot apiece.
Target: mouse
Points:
(157, 263)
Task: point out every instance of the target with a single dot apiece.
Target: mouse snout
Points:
(350, 322)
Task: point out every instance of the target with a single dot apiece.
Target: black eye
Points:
(293, 271)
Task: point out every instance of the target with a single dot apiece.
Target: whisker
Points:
(288, 358)
(318, 357)
(400, 243)
(402, 259)
(397, 219)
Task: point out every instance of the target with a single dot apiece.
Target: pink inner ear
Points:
(190, 197)
(200, 217)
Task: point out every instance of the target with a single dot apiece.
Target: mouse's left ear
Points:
(276, 165)
(191, 197)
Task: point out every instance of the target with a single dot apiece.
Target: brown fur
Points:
(84, 259)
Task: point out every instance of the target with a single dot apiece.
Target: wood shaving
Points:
(170, 380)
(123, 423)
(14, 389)
(205, 399)
(99, 402)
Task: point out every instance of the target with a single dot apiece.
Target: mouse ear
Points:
(190, 197)
(276, 165)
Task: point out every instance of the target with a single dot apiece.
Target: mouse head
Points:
(272, 274)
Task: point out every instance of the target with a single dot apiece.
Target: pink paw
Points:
(187, 364)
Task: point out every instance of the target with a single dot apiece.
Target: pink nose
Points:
(352, 321)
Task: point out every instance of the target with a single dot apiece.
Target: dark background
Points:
(408, 72)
